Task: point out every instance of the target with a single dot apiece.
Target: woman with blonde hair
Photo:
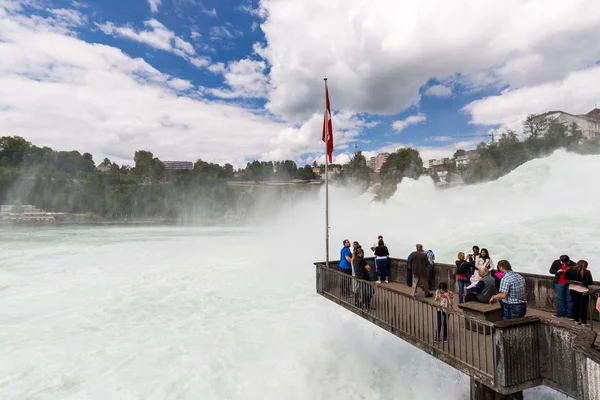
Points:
(579, 281)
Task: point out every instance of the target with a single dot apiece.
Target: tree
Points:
(106, 162)
(402, 163)
(357, 172)
(13, 148)
(575, 132)
(88, 157)
(306, 173)
(149, 168)
(535, 125)
(228, 170)
(459, 153)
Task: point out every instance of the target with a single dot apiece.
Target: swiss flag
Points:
(327, 126)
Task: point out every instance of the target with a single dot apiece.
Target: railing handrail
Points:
(408, 296)
(471, 341)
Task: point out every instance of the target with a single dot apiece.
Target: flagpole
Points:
(326, 187)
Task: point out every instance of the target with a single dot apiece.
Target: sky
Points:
(241, 80)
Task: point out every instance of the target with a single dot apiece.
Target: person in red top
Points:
(463, 275)
(561, 285)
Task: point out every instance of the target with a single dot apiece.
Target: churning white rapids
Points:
(222, 313)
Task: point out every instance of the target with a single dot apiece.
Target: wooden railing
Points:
(470, 342)
(508, 356)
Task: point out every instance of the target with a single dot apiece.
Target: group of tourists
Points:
(571, 282)
(479, 279)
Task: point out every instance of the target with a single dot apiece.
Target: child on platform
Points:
(443, 298)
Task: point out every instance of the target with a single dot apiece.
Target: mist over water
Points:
(231, 313)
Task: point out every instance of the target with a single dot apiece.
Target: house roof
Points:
(595, 113)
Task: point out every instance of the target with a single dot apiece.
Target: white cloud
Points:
(210, 13)
(411, 120)
(195, 35)
(180, 84)
(95, 98)
(438, 91)
(158, 37)
(224, 32)
(378, 54)
(154, 5)
(246, 78)
(576, 94)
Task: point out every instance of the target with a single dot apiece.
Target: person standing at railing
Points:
(346, 268)
(463, 273)
(579, 281)
(361, 269)
(561, 285)
(418, 260)
(381, 261)
(355, 247)
(430, 270)
(443, 298)
(472, 258)
(374, 246)
(512, 296)
(409, 274)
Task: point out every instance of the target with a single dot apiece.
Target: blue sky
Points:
(233, 81)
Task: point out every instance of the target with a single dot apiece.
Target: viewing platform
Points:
(502, 358)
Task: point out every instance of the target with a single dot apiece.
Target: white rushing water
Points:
(222, 313)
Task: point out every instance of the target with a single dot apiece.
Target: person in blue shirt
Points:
(346, 268)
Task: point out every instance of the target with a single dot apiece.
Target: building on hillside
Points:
(588, 123)
(104, 167)
(438, 164)
(464, 159)
(335, 170)
(376, 162)
(439, 167)
(179, 165)
(26, 213)
(316, 171)
(8, 208)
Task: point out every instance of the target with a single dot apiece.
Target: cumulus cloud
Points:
(411, 120)
(438, 91)
(246, 78)
(290, 142)
(94, 98)
(378, 54)
(576, 94)
(157, 36)
(154, 5)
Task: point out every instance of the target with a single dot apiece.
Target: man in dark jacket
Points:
(561, 285)
(361, 270)
(485, 288)
(419, 262)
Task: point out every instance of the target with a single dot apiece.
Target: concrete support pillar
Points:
(481, 392)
